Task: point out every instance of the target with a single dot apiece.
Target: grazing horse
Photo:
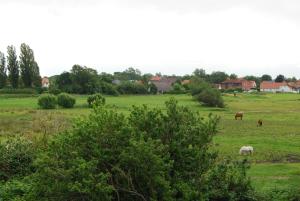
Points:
(246, 150)
(259, 122)
(239, 114)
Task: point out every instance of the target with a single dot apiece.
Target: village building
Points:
(295, 85)
(271, 86)
(163, 84)
(45, 82)
(185, 82)
(240, 83)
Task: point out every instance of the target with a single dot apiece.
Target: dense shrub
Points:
(132, 88)
(196, 87)
(228, 181)
(18, 91)
(210, 97)
(65, 100)
(151, 154)
(47, 101)
(109, 89)
(54, 91)
(177, 89)
(16, 158)
(95, 99)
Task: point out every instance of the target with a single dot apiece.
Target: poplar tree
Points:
(29, 68)
(3, 76)
(13, 66)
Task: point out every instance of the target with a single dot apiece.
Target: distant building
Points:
(116, 82)
(183, 82)
(239, 83)
(271, 86)
(295, 85)
(45, 82)
(163, 84)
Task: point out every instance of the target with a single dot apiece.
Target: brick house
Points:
(163, 84)
(239, 83)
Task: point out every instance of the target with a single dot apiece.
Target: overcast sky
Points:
(168, 36)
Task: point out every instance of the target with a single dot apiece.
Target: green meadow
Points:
(276, 159)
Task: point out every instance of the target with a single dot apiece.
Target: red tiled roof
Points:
(272, 85)
(240, 80)
(155, 78)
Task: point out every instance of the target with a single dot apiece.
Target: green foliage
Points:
(109, 89)
(129, 87)
(13, 66)
(210, 97)
(233, 76)
(14, 190)
(47, 101)
(128, 75)
(148, 155)
(277, 194)
(280, 78)
(197, 86)
(217, 77)
(266, 77)
(228, 181)
(30, 73)
(18, 91)
(95, 100)
(65, 100)
(3, 76)
(84, 79)
(16, 158)
(177, 89)
(64, 82)
(54, 91)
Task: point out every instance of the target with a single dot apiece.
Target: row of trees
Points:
(217, 77)
(16, 72)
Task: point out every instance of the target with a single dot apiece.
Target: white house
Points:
(45, 82)
(270, 86)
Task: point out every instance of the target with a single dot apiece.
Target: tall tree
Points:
(266, 77)
(233, 76)
(28, 66)
(3, 76)
(280, 78)
(218, 77)
(13, 66)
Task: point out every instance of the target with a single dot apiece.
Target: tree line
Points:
(22, 71)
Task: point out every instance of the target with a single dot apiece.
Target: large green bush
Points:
(151, 154)
(16, 158)
(65, 100)
(47, 101)
(95, 99)
(210, 97)
(132, 88)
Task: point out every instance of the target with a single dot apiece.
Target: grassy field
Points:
(275, 163)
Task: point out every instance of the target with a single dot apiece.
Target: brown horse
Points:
(259, 122)
(239, 114)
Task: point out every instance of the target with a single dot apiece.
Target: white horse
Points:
(246, 150)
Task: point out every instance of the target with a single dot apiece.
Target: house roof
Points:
(272, 85)
(155, 78)
(186, 81)
(295, 84)
(239, 80)
(164, 84)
